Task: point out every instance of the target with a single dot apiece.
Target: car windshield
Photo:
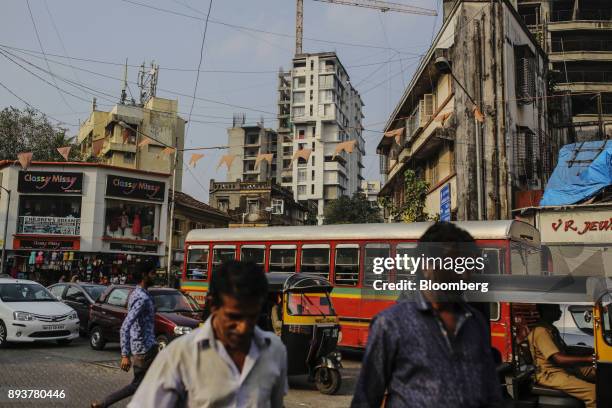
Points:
(170, 301)
(25, 292)
(94, 291)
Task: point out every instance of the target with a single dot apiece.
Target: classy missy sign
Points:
(118, 186)
(50, 182)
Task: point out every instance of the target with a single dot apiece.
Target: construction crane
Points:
(383, 6)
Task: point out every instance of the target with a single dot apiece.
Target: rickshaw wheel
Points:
(328, 380)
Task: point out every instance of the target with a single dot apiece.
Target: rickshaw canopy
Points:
(298, 283)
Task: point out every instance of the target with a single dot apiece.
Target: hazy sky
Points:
(246, 60)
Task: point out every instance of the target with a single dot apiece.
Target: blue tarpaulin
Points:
(583, 169)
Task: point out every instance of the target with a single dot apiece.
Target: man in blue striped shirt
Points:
(138, 344)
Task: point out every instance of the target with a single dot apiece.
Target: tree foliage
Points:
(29, 131)
(415, 193)
(350, 210)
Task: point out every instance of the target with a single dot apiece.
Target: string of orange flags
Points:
(194, 158)
(146, 141)
(396, 133)
(64, 151)
(478, 115)
(347, 146)
(25, 159)
(264, 157)
(227, 160)
(304, 154)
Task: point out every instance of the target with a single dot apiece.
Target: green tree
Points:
(415, 193)
(349, 210)
(29, 131)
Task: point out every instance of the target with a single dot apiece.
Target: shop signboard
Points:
(50, 182)
(445, 203)
(573, 227)
(127, 187)
(54, 245)
(128, 247)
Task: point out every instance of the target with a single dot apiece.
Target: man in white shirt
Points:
(229, 361)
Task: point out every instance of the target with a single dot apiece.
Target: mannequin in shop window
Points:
(123, 222)
(136, 225)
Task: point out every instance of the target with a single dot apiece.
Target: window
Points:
(118, 297)
(197, 262)
(303, 304)
(325, 95)
(222, 253)
(129, 158)
(223, 204)
(525, 66)
(375, 251)
(49, 215)
(347, 264)
(312, 65)
(298, 111)
(312, 160)
(301, 133)
(278, 206)
(301, 175)
(314, 131)
(311, 94)
(252, 205)
(492, 261)
(311, 80)
(301, 189)
(408, 249)
(282, 258)
(253, 253)
(299, 82)
(326, 81)
(311, 111)
(57, 290)
(312, 189)
(315, 260)
(131, 220)
(313, 173)
(298, 97)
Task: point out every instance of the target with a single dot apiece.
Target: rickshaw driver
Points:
(276, 315)
(552, 360)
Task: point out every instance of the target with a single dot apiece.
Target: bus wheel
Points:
(328, 380)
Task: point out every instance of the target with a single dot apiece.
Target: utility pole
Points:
(600, 116)
(8, 204)
(171, 223)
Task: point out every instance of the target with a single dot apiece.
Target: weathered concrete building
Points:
(483, 60)
(577, 36)
(256, 203)
(245, 143)
(114, 137)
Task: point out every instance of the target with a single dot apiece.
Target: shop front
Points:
(46, 242)
(132, 220)
(87, 219)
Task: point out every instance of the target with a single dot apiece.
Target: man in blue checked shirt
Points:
(137, 334)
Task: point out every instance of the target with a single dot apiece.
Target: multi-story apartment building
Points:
(285, 136)
(577, 35)
(325, 109)
(115, 137)
(246, 143)
(483, 57)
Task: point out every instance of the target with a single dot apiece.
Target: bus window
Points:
(282, 258)
(408, 249)
(315, 260)
(222, 253)
(347, 264)
(197, 262)
(253, 253)
(375, 251)
(492, 260)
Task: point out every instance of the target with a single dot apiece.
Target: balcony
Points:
(580, 50)
(581, 15)
(585, 81)
(49, 225)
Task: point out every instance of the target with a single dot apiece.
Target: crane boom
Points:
(384, 6)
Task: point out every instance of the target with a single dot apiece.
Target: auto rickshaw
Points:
(591, 297)
(310, 328)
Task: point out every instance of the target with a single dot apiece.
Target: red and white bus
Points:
(344, 255)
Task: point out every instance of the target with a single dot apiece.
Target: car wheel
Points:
(162, 342)
(3, 334)
(64, 342)
(96, 339)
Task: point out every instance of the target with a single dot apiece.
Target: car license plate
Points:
(53, 327)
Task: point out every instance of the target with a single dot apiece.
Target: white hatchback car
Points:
(29, 312)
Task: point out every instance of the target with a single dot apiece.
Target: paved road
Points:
(86, 375)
